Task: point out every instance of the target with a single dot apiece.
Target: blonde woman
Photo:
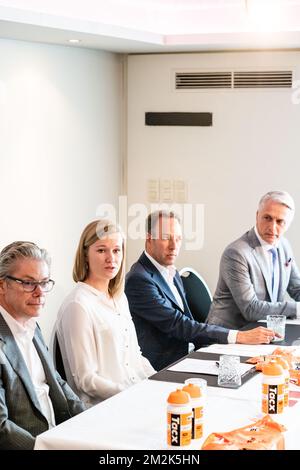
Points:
(95, 331)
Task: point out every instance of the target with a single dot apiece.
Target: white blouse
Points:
(99, 345)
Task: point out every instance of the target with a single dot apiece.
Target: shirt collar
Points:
(16, 327)
(266, 246)
(166, 271)
(92, 289)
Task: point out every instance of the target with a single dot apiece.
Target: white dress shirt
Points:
(168, 273)
(266, 247)
(23, 336)
(99, 345)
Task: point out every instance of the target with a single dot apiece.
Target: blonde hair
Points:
(95, 231)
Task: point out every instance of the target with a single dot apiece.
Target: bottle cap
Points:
(193, 390)
(179, 397)
(272, 368)
(281, 361)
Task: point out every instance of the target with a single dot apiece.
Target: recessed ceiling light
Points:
(74, 41)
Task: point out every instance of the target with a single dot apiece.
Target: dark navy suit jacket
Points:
(163, 328)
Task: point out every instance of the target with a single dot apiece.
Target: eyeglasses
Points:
(30, 286)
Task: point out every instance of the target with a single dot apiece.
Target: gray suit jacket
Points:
(244, 291)
(21, 417)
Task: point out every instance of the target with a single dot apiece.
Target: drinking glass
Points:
(229, 372)
(277, 323)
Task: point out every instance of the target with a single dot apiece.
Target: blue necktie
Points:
(273, 251)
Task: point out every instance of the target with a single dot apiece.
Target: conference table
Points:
(135, 419)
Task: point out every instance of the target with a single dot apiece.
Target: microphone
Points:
(288, 262)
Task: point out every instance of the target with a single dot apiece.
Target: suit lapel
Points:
(264, 266)
(15, 358)
(55, 391)
(178, 284)
(158, 278)
(162, 283)
(261, 259)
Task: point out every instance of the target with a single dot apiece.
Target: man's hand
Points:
(258, 335)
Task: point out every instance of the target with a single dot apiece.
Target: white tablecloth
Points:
(136, 418)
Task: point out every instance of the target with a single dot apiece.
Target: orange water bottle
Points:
(273, 385)
(197, 407)
(284, 364)
(179, 419)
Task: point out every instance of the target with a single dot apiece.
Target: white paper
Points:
(289, 321)
(200, 366)
(241, 349)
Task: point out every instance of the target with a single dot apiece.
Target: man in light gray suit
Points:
(33, 397)
(258, 269)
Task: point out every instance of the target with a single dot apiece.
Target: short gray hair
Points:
(282, 197)
(20, 250)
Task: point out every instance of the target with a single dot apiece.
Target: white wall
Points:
(252, 147)
(60, 147)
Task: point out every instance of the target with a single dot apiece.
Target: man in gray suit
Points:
(258, 269)
(33, 397)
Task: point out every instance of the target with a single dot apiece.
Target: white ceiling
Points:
(154, 25)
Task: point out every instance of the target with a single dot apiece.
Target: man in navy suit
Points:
(163, 320)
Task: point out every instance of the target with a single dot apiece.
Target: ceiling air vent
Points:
(263, 79)
(202, 80)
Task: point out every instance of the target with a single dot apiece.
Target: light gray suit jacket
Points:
(244, 291)
(21, 417)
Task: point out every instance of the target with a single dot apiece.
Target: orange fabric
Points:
(264, 434)
(295, 377)
(290, 355)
